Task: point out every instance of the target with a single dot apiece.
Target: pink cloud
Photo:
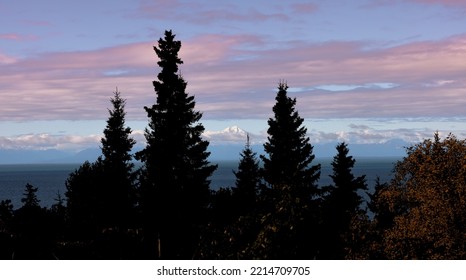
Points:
(305, 8)
(214, 49)
(236, 77)
(17, 37)
(5, 59)
(9, 36)
(73, 85)
(410, 66)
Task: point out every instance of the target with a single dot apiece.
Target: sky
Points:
(361, 71)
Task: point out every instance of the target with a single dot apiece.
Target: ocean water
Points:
(50, 178)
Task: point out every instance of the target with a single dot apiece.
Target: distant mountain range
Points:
(226, 144)
(393, 148)
(47, 156)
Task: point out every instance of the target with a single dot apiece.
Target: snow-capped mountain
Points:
(233, 135)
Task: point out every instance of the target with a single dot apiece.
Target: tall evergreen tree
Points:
(118, 188)
(290, 223)
(176, 168)
(101, 194)
(289, 149)
(345, 186)
(247, 180)
(342, 204)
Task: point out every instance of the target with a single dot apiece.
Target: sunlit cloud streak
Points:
(48, 142)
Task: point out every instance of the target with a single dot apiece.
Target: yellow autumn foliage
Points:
(427, 198)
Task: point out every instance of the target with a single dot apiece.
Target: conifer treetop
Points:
(288, 148)
(167, 51)
(116, 143)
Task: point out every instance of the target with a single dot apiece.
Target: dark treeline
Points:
(276, 210)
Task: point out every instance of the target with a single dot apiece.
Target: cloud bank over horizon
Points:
(236, 136)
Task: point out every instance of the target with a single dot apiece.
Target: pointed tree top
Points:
(282, 85)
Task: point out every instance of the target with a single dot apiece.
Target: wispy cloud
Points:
(74, 85)
(17, 37)
(5, 59)
(200, 12)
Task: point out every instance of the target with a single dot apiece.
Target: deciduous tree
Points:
(427, 200)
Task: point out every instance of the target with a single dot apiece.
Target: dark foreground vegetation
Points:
(276, 210)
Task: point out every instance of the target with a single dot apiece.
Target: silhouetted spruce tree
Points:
(342, 205)
(247, 181)
(101, 195)
(290, 225)
(118, 189)
(83, 205)
(288, 148)
(33, 228)
(174, 180)
(30, 197)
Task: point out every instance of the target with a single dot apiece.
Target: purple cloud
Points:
(204, 13)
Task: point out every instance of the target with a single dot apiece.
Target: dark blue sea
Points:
(50, 178)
